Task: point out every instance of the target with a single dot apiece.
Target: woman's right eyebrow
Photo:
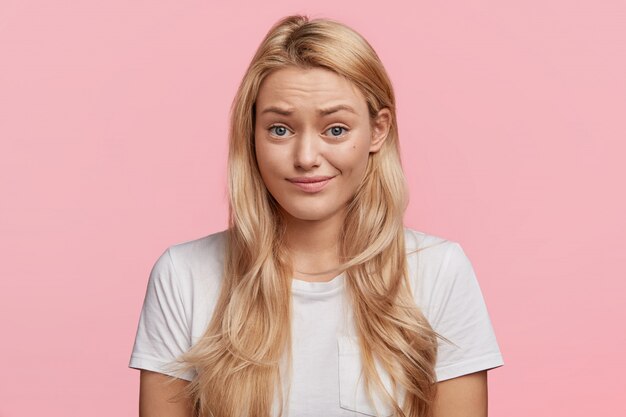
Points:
(278, 110)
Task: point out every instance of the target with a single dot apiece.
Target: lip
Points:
(310, 184)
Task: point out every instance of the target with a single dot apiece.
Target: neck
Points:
(314, 245)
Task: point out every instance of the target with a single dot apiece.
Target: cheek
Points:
(261, 160)
(271, 165)
(353, 160)
(263, 157)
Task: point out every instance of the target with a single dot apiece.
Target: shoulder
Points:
(197, 271)
(432, 263)
(447, 291)
(198, 262)
(428, 249)
(208, 248)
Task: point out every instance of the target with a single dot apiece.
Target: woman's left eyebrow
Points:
(333, 109)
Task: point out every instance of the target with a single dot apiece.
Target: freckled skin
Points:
(307, 143)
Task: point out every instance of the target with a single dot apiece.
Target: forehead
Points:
(308, 87)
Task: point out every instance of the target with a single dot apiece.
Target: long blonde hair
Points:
(237, 359)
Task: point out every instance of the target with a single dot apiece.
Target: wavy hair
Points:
(238, 359)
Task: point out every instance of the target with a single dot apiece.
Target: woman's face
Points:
(313, 138)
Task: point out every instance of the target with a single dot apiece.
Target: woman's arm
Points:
(155, 395)
(464, 396)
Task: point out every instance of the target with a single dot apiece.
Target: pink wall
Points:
(113, 142)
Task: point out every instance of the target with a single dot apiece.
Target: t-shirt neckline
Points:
(299, 285)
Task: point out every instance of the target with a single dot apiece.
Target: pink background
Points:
(113, 135)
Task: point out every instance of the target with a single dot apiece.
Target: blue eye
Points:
(336, 130)
(279, 130)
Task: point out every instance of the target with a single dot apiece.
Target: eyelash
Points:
(346, 130)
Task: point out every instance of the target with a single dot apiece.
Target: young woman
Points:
(317, 300)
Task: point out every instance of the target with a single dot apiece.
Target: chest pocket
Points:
(352, 394)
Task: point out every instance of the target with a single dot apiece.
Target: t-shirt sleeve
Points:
(459, 314)
(163, 332)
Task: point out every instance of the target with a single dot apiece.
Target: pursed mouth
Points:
(311, 180)
(312, 186)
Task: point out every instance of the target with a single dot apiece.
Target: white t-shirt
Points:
(184, 285)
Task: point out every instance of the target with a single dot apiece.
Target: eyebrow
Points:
(321, 112)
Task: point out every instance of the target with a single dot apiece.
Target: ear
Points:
(380, 129)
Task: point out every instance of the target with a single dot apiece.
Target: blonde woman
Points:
(317, 300)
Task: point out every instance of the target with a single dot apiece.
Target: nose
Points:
(307, 151)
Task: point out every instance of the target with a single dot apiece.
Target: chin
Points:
(307, 214)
